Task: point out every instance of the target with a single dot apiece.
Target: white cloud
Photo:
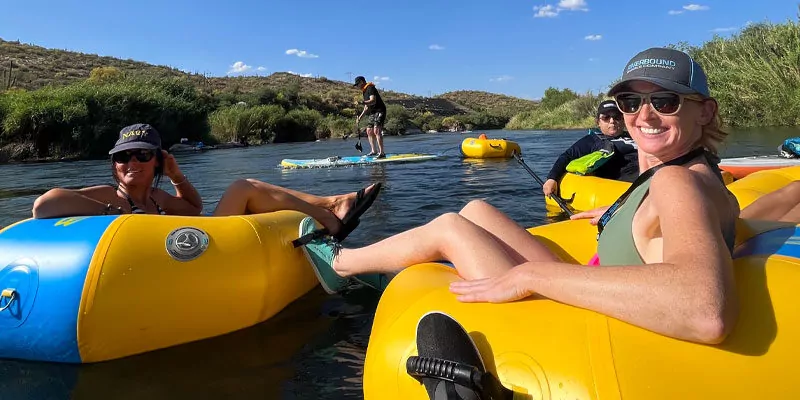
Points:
(300, 53)
(551, 11)
(239, 67)
(381, 78)
(502, 78)
(309, 75)
(593, 37)
(435, 47)
(573, 5)
(722, 30)
(261, 69)
(689, 7)
(695, 7)
(547, 11)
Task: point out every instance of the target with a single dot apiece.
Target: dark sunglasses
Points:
(665, 103)
(608, 118)
(124, 157)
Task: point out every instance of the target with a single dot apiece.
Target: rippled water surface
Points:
(315, 347)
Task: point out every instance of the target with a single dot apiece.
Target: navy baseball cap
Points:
(608, 107)
(360, 80)
(669, 68)
(137, 136)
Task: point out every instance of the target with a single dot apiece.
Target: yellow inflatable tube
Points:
(488, 148)
(547, 350)
(587, 192)
(107, 287)
(138, 298)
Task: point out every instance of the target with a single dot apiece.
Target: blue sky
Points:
(426, 47)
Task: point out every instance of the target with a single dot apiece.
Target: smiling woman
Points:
(138, 163)
(687, 277)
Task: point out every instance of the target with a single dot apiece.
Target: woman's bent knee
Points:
(448, 221)
(794, 190)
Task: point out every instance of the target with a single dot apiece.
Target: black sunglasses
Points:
(123, 157)
(608, 118)
(664, 103)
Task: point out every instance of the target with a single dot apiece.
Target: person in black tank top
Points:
(376, 109)
(138, 164)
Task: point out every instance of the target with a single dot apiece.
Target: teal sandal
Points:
(320, 254)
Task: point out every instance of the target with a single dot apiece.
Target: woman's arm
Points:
(66, 202)
(187, 200)
(690, 295)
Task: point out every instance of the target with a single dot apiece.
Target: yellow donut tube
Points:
(138, 298)
(489, 148)
(543, 349)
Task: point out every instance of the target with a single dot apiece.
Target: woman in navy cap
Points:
(610, 135)
(138, 164)
(668, 240)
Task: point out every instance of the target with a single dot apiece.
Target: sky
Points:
(422, 47)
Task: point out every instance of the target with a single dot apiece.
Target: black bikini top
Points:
(137, 210)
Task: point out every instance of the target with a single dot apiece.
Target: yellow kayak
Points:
(482, 147)
(543, 349)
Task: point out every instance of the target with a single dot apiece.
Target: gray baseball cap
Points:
(669, 68)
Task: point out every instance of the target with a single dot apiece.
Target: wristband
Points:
(178, 183)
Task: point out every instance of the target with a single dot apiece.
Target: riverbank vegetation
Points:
(60, 104)
(754, 75)
(57, 104)
(559, 109)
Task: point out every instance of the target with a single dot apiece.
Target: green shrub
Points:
(297, 125)
(561, 117)
(251, 124)
(105, 74)
(335, 126)
(84, 119)
(397, 119)
(554, 97)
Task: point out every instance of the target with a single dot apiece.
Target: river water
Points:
(315, 348)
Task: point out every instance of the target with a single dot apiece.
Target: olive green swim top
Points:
(615, 245)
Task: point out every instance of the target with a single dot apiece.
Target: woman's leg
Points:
(780, 205)
(517, 242)
(250, 196)
(474, 251)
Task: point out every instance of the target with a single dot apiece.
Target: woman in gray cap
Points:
(138, 163)
(676, 257)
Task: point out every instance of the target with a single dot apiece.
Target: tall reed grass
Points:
(754, 74)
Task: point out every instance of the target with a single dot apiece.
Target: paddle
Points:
(358, 144)
(555, 197)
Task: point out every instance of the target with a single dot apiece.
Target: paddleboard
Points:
(740, 167)
(337, 161)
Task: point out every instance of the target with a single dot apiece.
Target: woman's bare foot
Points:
(344, 203)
